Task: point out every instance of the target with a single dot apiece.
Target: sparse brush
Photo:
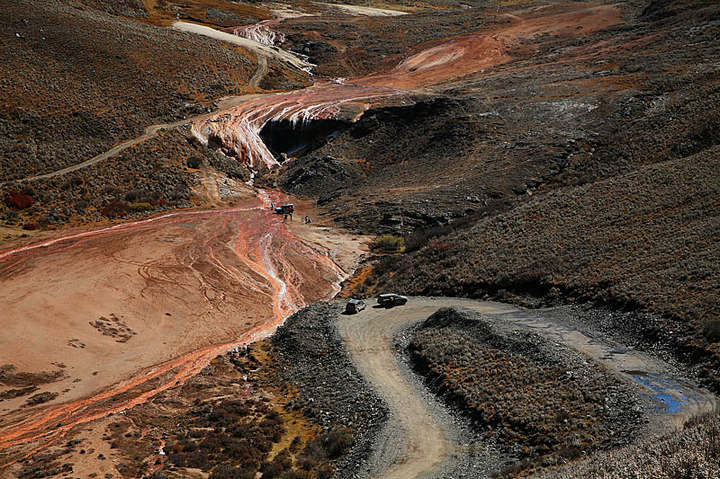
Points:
(711, 330)
(388, 244)
(141, 207)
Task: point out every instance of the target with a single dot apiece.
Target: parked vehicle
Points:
(285, 209)
(354, 306)
(391, 299)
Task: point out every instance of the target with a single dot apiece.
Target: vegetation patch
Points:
(690, 453)
(542, 402)
(41, 398)
(114, 327)
(388, 244)
(10, 376)
(18, 200)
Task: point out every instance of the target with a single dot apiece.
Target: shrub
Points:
(41, 398)
(295, 444)
(325, 472)
(271, 470)
(18, 199)
(419, 238)
(337, 442)
(30, 226)
(439, 246)
(711, 330)
(388, 244)
(114, 209)
(227, 471)
(194, 162)
(141, 207)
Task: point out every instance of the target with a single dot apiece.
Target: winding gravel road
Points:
(419, 442)
(423, 442)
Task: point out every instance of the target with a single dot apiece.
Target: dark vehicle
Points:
(354, 306)
(285, 209)
(391, 299)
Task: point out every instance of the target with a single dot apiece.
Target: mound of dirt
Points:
(543, 402)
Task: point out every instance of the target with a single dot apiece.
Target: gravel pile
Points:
(332, 392)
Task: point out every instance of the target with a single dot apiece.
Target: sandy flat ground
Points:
(167, 287)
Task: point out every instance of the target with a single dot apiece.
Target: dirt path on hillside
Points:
(150, 132)
(418, 443)
(256, 47)
(260, 73)
(363, 11)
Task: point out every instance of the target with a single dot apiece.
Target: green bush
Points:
(388, 244)
(141, 207)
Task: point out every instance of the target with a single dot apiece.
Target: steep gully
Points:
(237, 131)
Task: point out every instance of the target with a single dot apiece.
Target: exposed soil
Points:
(202, 282)
(535, 152)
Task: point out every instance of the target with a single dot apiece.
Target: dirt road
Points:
(419, 442)
(152, 131)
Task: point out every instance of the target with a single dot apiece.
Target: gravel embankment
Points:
(543, 402)
(332, 392)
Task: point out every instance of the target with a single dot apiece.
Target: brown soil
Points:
(190, 285)
(559, 150)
